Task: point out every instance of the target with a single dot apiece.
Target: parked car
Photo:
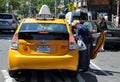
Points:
(112, 35)
(91, 25)
(94, 29)
(45, 43)
(8, 21)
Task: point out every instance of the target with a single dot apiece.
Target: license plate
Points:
(43, 49)
(3, 23)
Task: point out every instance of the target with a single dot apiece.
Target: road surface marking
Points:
(6, 76)
(99, 68)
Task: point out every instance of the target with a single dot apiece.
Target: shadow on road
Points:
(91, 76)
(107, 73)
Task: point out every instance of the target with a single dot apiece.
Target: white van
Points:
(80, 14)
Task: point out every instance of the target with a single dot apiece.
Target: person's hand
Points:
(105, 31)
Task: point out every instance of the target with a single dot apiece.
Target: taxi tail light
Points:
(72, 43)
(14, 43)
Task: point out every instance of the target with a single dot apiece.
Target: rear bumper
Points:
(7, 28)
(18, 61)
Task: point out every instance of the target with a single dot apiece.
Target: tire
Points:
(13, 73)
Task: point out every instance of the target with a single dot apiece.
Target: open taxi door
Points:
(99, 39)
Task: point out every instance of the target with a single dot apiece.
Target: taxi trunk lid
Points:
(43, 43)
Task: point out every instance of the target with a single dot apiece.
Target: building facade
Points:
(104, 6)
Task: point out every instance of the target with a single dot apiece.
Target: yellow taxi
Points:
(44, 43)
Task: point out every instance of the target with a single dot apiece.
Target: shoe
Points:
(101, 50)
(80, 70)
(84, 70)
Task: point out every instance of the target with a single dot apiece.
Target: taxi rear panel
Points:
(31, 43)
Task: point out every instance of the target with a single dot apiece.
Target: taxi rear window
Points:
(42, 36)
(51, 27)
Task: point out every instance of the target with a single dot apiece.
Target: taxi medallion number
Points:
(43, 49)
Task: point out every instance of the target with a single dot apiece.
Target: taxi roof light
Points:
(44, 13)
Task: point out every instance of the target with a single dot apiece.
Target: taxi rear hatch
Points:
(43, 43)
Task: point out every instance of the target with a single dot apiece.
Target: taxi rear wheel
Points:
(15, 73)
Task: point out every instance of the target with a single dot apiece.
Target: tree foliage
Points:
(23, 6)
(2, 5)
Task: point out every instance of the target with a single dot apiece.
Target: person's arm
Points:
(79, 27)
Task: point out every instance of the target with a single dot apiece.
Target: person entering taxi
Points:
(83, 33)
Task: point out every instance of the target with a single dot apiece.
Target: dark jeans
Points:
(84, 58)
